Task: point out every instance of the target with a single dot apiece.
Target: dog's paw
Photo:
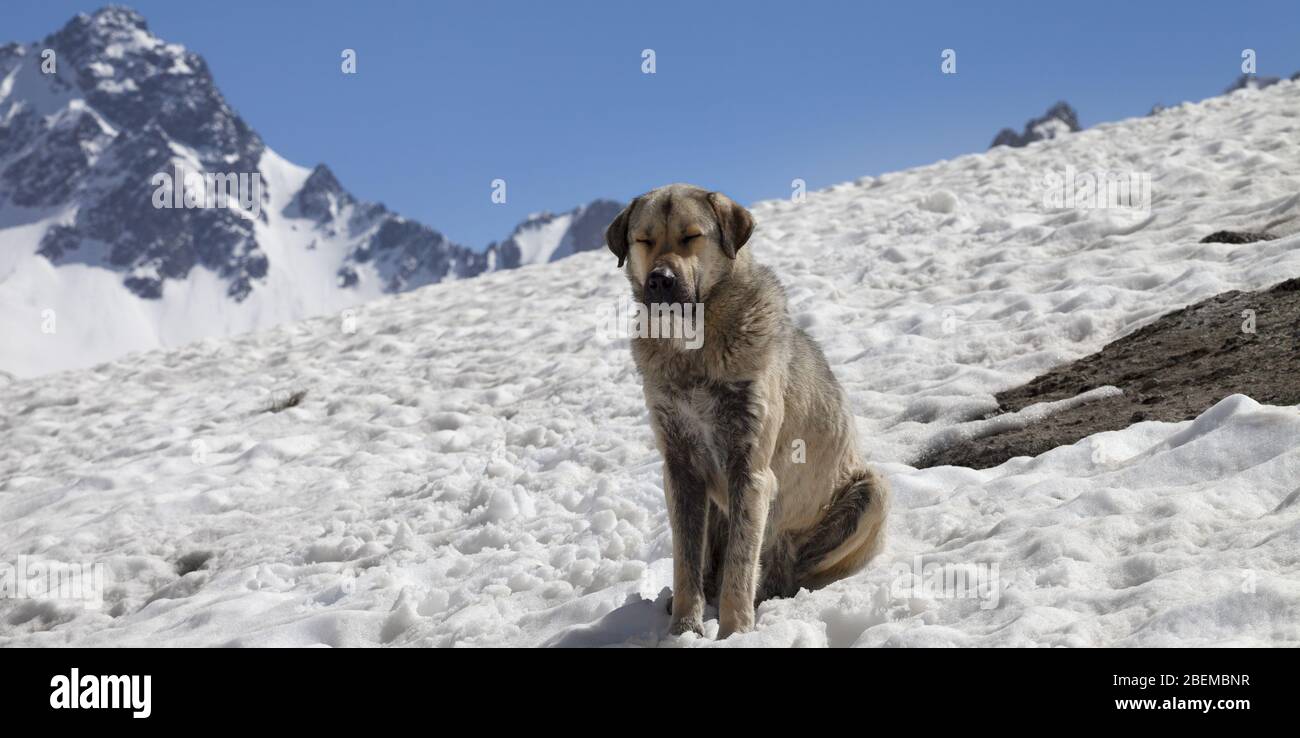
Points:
(735, 621)
(686, 625)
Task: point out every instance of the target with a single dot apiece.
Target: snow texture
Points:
(472, 465)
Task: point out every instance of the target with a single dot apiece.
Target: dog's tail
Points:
(850, 532)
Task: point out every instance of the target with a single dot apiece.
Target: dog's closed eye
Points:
(691, 237)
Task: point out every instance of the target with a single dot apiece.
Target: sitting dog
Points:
(765, 488)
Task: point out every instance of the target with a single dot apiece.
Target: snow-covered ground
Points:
(473, 466)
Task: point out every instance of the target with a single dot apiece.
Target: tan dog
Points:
(766, 490)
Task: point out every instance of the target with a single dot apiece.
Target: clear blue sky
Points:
(747, 96)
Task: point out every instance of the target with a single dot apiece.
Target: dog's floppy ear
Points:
(616, 233)
(734, 222)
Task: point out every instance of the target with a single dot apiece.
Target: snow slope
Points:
(491, 480)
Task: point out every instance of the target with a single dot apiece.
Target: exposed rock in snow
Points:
(1059, 120)
(1237, 237)
(1171, 369)
(1251, 82)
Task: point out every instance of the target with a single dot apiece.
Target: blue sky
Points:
(747, 96)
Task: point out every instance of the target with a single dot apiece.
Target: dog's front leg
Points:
(749, 502)
(688, 511)
(751, 485)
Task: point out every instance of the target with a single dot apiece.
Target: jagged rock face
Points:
(407, 254)
(118, 105)
(321, 198)
(46, 175)
(404, 253)
(133, 78)
(1057, 121)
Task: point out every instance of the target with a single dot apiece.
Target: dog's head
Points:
(678, 242)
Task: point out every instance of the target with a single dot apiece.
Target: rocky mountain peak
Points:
(132, 77)
(321, 198)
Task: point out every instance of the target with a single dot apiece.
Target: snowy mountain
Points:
(1059, 120)
(90, 254)
(545, 237)
(492, 480)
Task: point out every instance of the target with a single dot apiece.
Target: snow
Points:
(98, 320)
(28, 86)
(472, 464)
(1019, 419)
(540, 241)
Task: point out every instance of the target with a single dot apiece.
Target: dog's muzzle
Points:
(661, 286)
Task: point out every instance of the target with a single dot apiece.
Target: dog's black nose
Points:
(659, 286)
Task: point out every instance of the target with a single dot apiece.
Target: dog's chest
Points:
(696, 409)
(711, 415)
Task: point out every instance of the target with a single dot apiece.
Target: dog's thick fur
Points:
(765, 488)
